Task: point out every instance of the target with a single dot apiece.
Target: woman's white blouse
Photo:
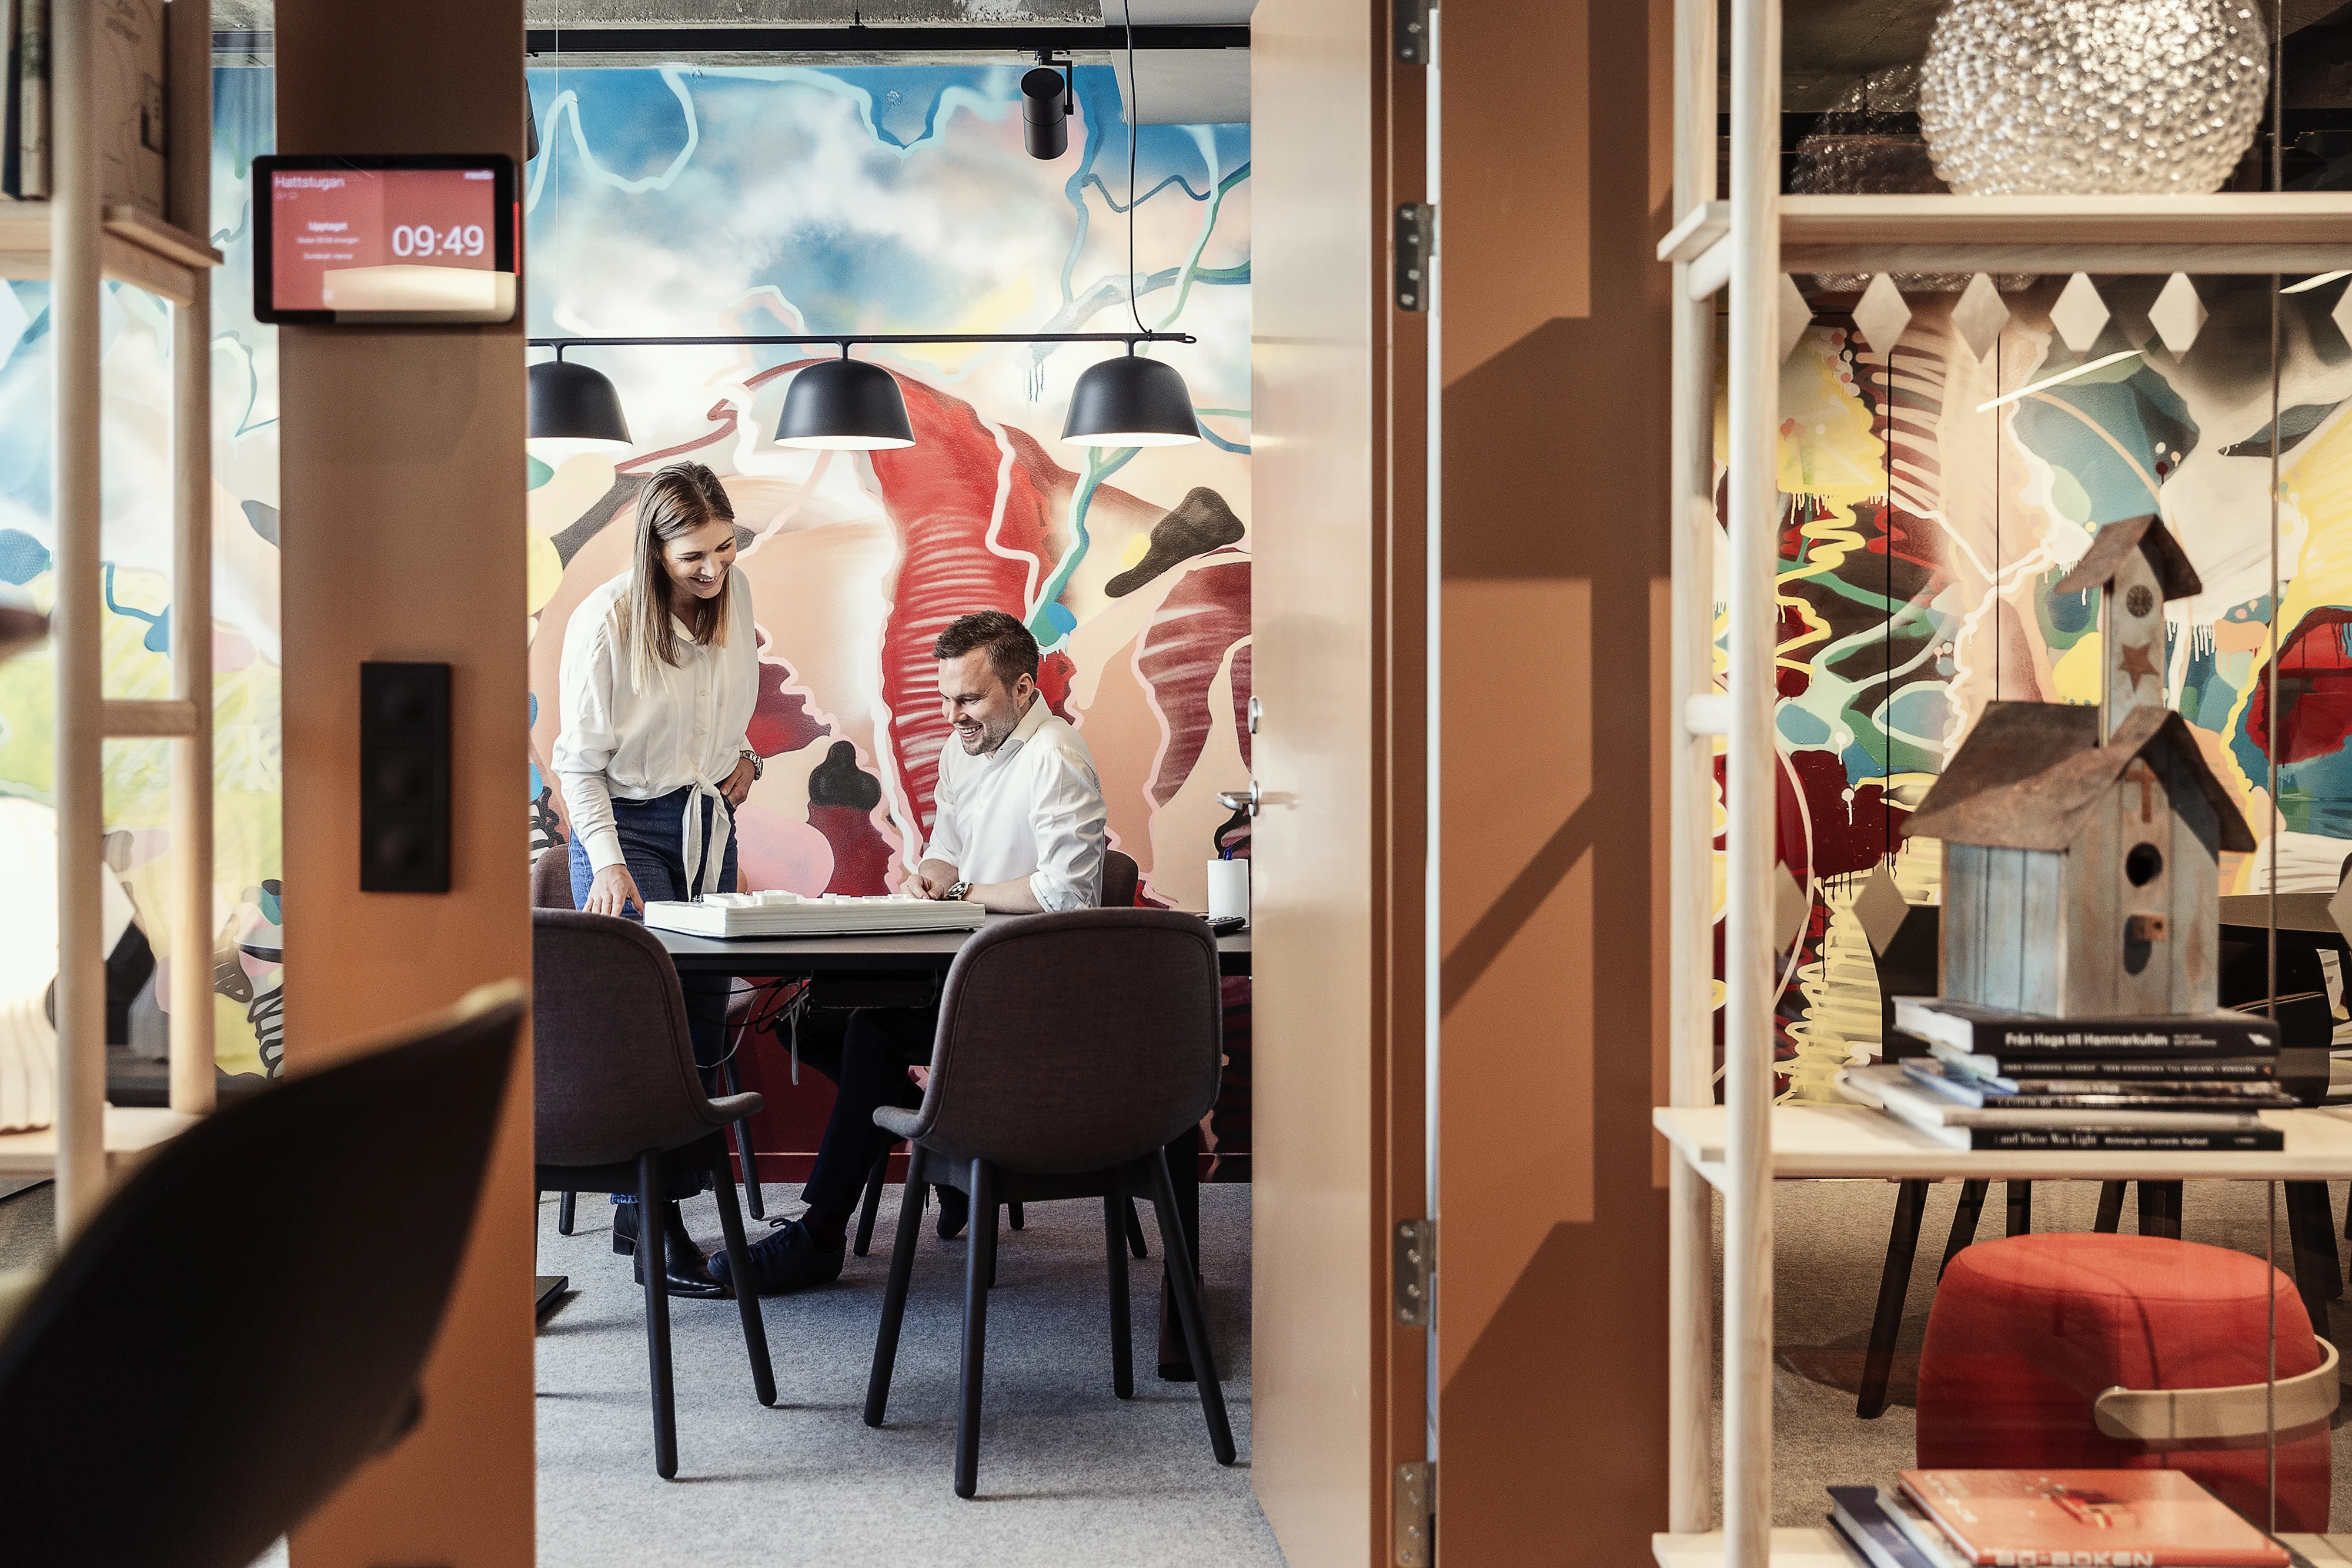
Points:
(687, 728)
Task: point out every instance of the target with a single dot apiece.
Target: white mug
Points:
(1228, 889)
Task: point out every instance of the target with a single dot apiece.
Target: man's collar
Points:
(1032, 721)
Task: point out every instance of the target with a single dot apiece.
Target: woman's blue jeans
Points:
(653, 837)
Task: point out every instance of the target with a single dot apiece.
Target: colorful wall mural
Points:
(1921, 537)
(692, 201)
(137, 546)
(899, 200)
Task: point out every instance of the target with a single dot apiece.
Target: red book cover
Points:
(2098, 1519)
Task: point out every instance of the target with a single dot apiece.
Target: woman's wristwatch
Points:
(757, 766)
(959, 890)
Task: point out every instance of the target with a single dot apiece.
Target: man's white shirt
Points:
(1031, 809)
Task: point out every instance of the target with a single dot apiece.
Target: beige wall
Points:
(1322, 891)
(1551, 1249)
(402, 490)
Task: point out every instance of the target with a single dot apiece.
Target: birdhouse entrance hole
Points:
(2142, 864)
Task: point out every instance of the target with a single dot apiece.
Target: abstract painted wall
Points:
(899, 200)
(707, 201)
(1922, 533)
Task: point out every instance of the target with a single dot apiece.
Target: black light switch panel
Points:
(404, 777)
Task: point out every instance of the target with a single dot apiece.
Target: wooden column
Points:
(1690, 1502)
(191, 138)
(403, 527)
(1755, 371)
(77, 620)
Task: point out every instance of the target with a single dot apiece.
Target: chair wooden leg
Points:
(747, 1301)
(2111, 1208)
(2159, 1208)
(751, 1162)
(1894, 1289)
(979, 1272)
(1178, 1253)
(1964, 1223)
(1020, 1221)
(2020, 1208)
(1116, 1212)
(1135, 1242)
(894, 1293)
(649, 1196)
(565, 1206)
(873, 1205)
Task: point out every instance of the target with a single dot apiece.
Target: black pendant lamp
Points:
(1131, 401)
(845, 405)
(574, 410)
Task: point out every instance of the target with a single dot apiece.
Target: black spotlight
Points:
(574, 410)
(1130, 402)
(1046, 111)
(845, 405)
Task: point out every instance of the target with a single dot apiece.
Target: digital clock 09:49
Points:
(423, 239)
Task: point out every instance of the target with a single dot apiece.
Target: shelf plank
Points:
(132, 1132)
(1817, 1546)
(133, 248)
(1839, 1142)
(2286, 232)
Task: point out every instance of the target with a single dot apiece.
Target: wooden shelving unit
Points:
(1736, 1149)
(132, 1133)
(2294, 232)
(75, 243)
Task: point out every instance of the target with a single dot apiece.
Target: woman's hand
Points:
(612, 892)
(738, 784)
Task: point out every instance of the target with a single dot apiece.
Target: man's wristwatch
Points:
(757, 766)
(959, 890)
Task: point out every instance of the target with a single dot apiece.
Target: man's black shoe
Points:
(787, 1259)
(955, 1209)
(684, 1272)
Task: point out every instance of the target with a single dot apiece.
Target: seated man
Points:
(1018, 826)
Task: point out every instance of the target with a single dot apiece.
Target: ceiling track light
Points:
(845, 405)
(1048, 98)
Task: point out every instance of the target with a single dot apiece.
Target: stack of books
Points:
(2010, 1080)
(1943, 1519)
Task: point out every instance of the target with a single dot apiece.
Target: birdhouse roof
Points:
(2114, 541)
(2030, 775)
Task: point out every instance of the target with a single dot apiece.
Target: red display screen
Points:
(359, 243)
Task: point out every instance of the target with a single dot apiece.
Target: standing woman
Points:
(661, 672)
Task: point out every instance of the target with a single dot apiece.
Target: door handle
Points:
(1245, 802)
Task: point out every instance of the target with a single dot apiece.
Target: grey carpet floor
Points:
(1069, 1474)
(1829, 1245)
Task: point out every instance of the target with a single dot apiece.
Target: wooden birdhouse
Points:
(2083, 844)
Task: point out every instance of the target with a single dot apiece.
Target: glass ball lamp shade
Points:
(574, 410)
(2117, 97)
(1130, 402)
(845, 405)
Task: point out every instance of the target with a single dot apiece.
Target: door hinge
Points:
(1416, 1513)
(1416, 242)
(1416, 1259)
(1413, 32)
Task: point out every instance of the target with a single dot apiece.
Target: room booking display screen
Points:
(385, 240)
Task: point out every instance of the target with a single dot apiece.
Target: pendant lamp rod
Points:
(845, 339)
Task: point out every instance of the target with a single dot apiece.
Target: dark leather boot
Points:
(684, 1272)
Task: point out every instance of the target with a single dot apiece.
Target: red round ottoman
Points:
(2026, 1333)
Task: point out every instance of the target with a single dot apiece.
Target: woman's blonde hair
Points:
(677, 500)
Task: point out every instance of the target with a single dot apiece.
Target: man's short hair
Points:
(1011, 651)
